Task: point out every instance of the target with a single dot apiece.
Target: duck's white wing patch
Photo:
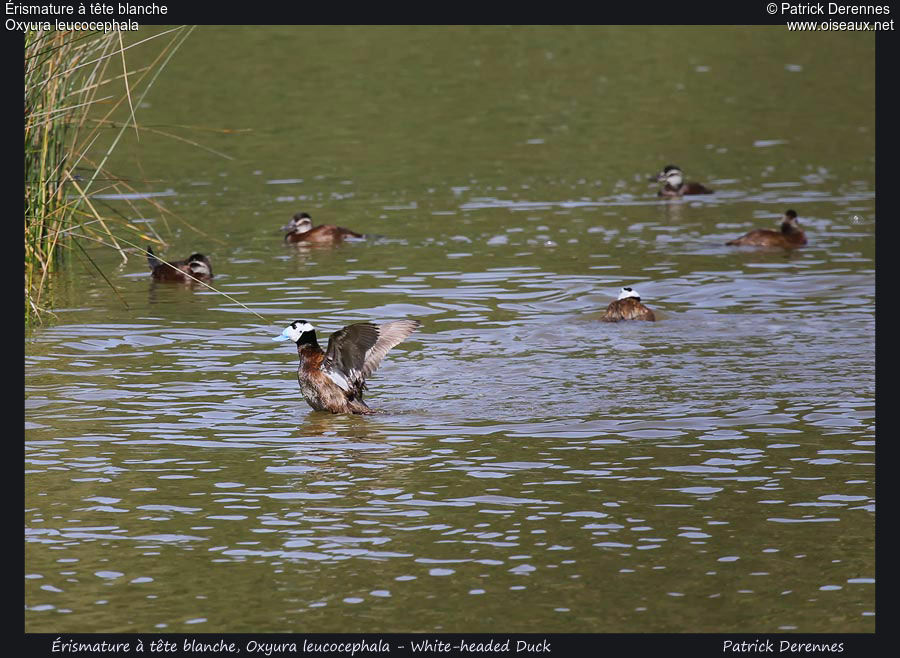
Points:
(338, 378)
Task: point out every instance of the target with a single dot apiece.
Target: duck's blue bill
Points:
(281, 337)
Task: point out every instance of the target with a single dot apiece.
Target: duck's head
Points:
(300, 223)
(625, 293)
(199, 265)
(671, 175)
(789, 222)
(296, 331)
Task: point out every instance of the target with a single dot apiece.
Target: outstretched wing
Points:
(356, 351)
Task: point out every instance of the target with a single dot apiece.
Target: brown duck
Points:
(676, 186)
(195, 265)
(300, 229)
(628, 307)
(790, 235)
(334, 380)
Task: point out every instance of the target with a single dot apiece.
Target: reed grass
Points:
(75, 84)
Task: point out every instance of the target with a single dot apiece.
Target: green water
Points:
(534, 468)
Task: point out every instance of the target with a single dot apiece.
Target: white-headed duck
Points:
(334, 380)
(195, 265)
(628, 307)
(676, 186)
(300, 229)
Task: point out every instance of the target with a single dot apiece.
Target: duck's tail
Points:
(152, 260)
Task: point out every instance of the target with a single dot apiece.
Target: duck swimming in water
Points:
(628, 307)
(300, 229)
(675, 185)
(334, 380)
(195, 265)
(790, 235)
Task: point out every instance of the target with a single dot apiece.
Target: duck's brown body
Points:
(322, 234)
(627, 309)
(789, 237)
(320, 392)
(180, 271)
